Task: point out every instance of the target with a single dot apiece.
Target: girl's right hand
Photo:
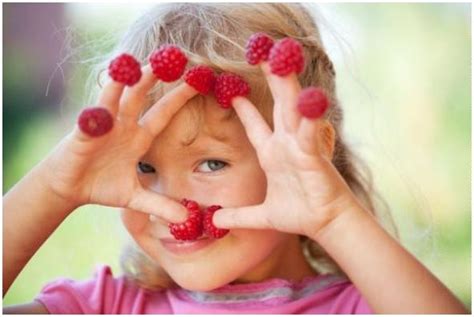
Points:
(103, 170)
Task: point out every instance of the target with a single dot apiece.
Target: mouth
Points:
(185, 247)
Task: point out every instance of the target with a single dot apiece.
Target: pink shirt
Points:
(106, 294)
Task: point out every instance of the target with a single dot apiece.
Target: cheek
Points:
(134, 221)
(241, 186)
(250, 185)
(258, 243)
(235, 191)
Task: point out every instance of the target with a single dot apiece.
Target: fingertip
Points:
(111, 83)
(77, 133)
(265, 67)
(238, 101)
(147, 69)
(188, 90)
(147, 72)
(220, 219)
(267, 71)
(179, 214)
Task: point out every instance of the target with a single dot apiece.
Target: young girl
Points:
(304, 234)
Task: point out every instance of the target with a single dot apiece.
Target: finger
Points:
(110, 96)
(251, 217)
(255, 126)
(164, 109)
(134, 98)
(285, 91)
(152, 203)
(314, 136)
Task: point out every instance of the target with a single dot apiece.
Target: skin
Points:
(182, 170)
(294, 162)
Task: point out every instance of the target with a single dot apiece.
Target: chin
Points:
(200, 281)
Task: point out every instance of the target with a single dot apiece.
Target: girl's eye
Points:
(211, 166)
(145, 168)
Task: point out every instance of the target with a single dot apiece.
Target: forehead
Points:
(202, 120)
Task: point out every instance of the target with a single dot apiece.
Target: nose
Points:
(170, 185)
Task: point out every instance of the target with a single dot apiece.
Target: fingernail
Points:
(217, 219)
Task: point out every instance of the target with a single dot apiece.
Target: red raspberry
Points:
(228, 86)
(191, 229)
(201, 77)
(168, 62)
(95, 121)
(125, 69)
(286, 56)
(258, 48)
(312, 102)
(209, 227)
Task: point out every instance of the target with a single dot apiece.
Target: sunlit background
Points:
(404, 79)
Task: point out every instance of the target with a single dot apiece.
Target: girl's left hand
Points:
(305, 192)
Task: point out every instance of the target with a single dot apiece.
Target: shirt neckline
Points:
(269, 290)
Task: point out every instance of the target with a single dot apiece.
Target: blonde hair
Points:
(215, 34)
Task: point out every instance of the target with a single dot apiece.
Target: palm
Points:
(293, 174)
(304, 189)
(102, 170)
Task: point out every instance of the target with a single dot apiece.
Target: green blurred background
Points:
(404, 80)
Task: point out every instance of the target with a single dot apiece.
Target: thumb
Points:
(249, 217)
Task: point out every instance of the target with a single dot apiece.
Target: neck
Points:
(286, 262)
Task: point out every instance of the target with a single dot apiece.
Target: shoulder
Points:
(101, 294)
(33, 307)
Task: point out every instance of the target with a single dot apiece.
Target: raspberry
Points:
(258, 48)
(125, 69)
(168, 62)
(228, 86)
(286, 56)
(200, 77)
(191, 229)
(95, 121)
(312, 102)
(209, 227)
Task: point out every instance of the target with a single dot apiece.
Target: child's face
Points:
(219, 167)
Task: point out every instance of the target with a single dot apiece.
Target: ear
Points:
(327, 137)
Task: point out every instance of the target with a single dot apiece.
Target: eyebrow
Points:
(219, 136)
(219, 145)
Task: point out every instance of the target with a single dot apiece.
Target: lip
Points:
(185, 247)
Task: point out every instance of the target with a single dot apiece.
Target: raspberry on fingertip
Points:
(209, 228)
(201, 78)
(258, 48)
(286, 57)
(229, 85)
(125, 69)
(312, 102)
(191, 229)
(168, 62)
(95, 121)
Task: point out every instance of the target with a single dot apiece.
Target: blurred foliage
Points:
(404, 78)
